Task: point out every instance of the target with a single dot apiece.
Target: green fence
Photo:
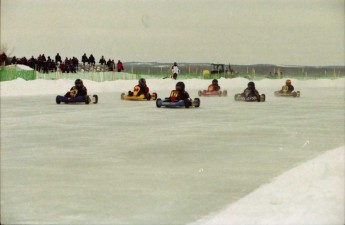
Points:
(14, 72)
(94, 76)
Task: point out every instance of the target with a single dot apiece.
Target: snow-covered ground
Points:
(120, 162)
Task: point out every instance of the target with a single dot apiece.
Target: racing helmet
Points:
(142, 81)
(215, 82)
(78, 82)
(180, 86)
(288, 82)
(251, 84)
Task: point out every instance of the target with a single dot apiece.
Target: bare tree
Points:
(4, 49)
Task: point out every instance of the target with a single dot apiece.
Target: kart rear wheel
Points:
(57, 100)
(154, 96)
(87, 100)
(96, 99)
(196, 102)
(159, 103)
(186, 103)
(148, 96)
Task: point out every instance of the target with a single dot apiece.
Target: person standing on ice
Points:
(214, 86)
(175, 71)
(250, 91)
(287, 88)
(140, 89)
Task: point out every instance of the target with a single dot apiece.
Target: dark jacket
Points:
(249, 92)
(81, 91)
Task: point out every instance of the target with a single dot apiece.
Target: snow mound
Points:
(20, 66)
(20, 87)
(312, 193)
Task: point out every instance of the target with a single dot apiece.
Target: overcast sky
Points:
(290, 32)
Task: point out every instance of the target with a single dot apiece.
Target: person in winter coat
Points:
(3, 59)
(102, 60)
(119, 66)
(214, 86)
(92, 60)
(287, 88)
(58, 58)
(250, 91)
(140, 89)
(175, 71)
(84, 59)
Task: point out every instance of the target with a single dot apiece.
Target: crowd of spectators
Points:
(69, 65)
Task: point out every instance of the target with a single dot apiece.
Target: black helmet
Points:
(175, 64)
(215, 82)
(142, 81)
(251, 84)
(180, 86)
(78, 82)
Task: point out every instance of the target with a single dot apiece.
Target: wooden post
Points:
(278, 72)
(11, 72)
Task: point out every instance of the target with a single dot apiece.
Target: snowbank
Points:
(20, 66)
(20, 87)
(312, 193)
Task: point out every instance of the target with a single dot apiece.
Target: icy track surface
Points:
(121, 162)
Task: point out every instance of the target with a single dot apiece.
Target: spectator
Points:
(84, 59)
(75, 62)
(71, 66)
(64, 68)
(43, 58)
(23, 61)
(52, 66)
(3, 59)
(92, 60)
(58, 58)
(32, 62)
(14, 60)
(102, 60)
(119, 66)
